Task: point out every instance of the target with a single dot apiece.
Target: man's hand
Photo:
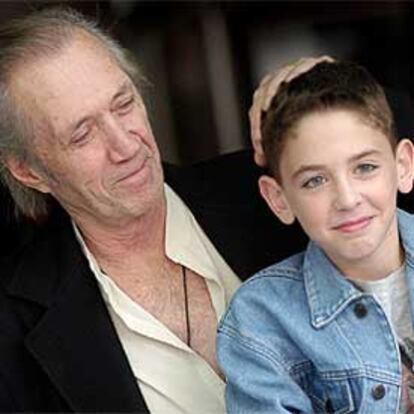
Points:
(266, 91)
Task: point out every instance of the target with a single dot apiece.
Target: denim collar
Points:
(329, 292)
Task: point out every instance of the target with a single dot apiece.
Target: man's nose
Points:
(121, 145)
(347, 194)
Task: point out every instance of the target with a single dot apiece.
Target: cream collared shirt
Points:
(172, 377)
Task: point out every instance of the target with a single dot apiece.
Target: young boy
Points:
(330, 329)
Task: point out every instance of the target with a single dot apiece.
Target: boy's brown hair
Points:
(327, 86)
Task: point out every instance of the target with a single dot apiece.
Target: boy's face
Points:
(340, 179)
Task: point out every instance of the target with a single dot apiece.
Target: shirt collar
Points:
(185, 243)
(328, 291)
(180, 244)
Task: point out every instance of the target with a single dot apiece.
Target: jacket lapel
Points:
(75, 341)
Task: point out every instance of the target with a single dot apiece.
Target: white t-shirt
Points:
(394, 297)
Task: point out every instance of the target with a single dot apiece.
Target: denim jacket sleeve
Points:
(257, 381)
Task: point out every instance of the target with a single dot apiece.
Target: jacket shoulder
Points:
(269, 291)
(287, 271)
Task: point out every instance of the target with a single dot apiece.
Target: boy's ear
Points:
(275, 198)
(27, 175)
(404, 156)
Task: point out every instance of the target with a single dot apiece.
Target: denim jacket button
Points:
(328, 406)
(360, 310)
(378, 392)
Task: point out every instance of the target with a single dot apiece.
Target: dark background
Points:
(203, 59)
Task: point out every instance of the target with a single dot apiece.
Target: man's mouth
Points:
(132, 172)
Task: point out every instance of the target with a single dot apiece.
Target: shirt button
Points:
(378, 392)
(360, 310)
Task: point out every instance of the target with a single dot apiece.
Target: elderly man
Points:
(114, 302)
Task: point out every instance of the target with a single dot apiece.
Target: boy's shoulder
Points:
(263, 302)
(289, 269)
(271, 282)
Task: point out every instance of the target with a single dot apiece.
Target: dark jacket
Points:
(59, 350)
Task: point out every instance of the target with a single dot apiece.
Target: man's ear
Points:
(27, 175)
(275, 198)
(404, 155)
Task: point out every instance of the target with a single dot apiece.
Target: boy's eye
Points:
(366, 168)
(314, 182)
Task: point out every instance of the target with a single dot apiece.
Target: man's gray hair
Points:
(37, 35)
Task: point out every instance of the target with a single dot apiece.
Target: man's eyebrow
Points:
(124, 88)
(318, 167)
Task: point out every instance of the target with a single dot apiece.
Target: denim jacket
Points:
(300, 338)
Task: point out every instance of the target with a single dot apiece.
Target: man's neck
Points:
(139, 237)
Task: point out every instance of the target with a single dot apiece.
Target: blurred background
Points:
(203, 59)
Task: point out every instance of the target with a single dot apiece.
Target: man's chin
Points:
(137, 203)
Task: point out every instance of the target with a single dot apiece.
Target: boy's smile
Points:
(352, 226)
(340, 179)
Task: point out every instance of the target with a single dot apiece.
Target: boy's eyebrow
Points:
(306, 168)
(315, 167)
(364, 154)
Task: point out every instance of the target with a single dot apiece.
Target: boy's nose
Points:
(347, 195)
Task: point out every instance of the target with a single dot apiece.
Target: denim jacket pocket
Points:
(332, 396)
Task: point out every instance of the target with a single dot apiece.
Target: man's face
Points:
(92, 134)
(340, 180)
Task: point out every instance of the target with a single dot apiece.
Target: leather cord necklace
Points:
(186, 307)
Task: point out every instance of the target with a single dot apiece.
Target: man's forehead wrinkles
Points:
(47, 98)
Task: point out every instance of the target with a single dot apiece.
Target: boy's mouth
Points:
(351, 226)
